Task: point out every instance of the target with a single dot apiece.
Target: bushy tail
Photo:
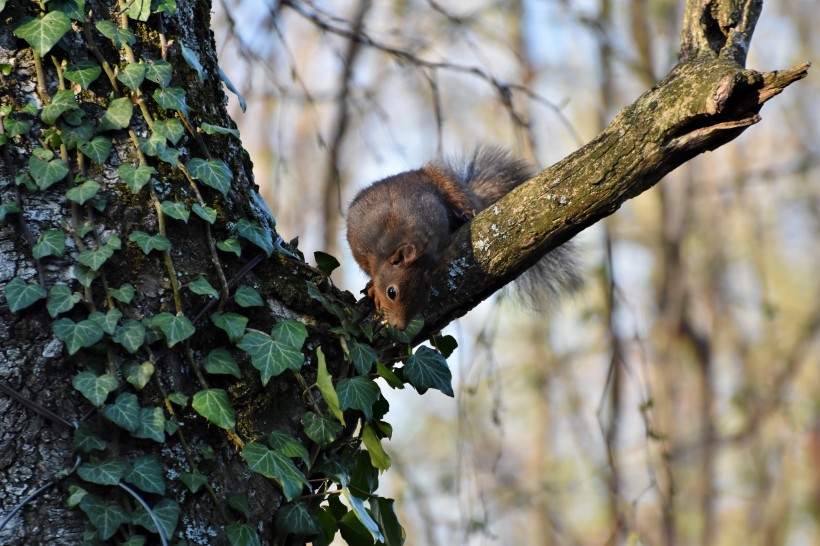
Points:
(492, 172)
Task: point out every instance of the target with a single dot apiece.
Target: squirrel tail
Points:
(492, 172)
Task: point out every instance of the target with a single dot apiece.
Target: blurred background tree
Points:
(676, 398)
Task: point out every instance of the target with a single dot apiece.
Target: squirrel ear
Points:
(404, 255)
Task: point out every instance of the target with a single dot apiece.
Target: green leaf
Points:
(325, 262)
(76, 335)
(247, 296)
(46, 173)
(176, 210)
(220, 361)
(239, 502)
(255, 233)
(206, 213)
(139, 10)
(84, 275)
(150, 242)
(137, 373)
(105, 472)
(151, 425)
(428, 369)
(88, 189)
(378, 457)
(16, 127)
(230, 245)
(97, 150)
(124, 293)
(286, 444)
(389, 375)
(72, 8)
(216, 129)
(124, 412)
(120, 36)
(62, 102)
(193, 480)
(106, 322)
(171, 98)
(94, 259)
(170, 129)
(214, 405)
(358, 393)
(296, 519)
(118, 115)
(385, 515)
(51, 242)
(83, 73)
(201, 286)
(242, 534)
(86, 439)
(73, 136)
(135, 178)
(213, 172)
(325, 383)
(275, 466)
(176, 328)
(232, 323)
(166, 511)
(43, 34)
(361, 512)
(61, 299)
(6, 209)
(159, 72)
(445, 344)
(363, 356)
(130, 335)
(179, 399)
(192, 60)
(106, 518)
(290, 332)
(270, 357)
(146, 474)
(320, 429)
(95, 388)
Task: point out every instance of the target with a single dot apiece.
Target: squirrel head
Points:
(401, 287)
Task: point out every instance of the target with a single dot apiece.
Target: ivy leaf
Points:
(83, 73)
(255, 233)
(95, 388)
(130, 335)
(62, 102)
(428, 369)
(61, 300)
(214, 405)
(146, 474)
(150, 242)
(105, 472)
(171, 129)
(192, 60)
(325, 383)
(220, 361)
(201, 286)
(97, 150)
(176, 328)
(88, 189)
(363, 356)
(124, 412)
(296, 519)
(193, 480)
(76, 335)
(135, 178)
(320, 429)
(242, 534)
(276, 466)
(86, 439)
(232, 323)
(106, 518)
(216, 129)
(166, 511)
(124, 293)
(176, 210)
(230, 245)
(72, 8)
(213, 172)
(51, 242)
(137, 373)
(84, 275)
(20, 294)
(378, 457)
(72, 136)
(290, 332)
(171, 98)
(120, 36)
(358, 393)
(361, 512)
(286, 444)
(247, 296)
(139, 10)
(325, 262)
(46, 173)
(270, 357)
(42, 34)
(206, 213)
(239, 502)
(94, 259)
(16, 127)
(385, 515)
(108, 321)
(117, 115)
(159, 72)
(151, 425)
(6, 209)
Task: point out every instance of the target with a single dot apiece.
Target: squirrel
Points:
(399, 227)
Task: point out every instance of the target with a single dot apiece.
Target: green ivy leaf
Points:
(192, 60)
(242, 534)
(206, 213)
(132, 75)
(97, 150)
(83, 73)
(120, 36)
(76, 335)
(135, 178)
(84, 275)
(159, 72)
(150, 242)
(257, 234)
(95, 388)
(72, 8)
(151, 425)
(290, 332)
(201, 286)
(86, 439)
(117, 115)
(51, 242)
(230, 245)
(171, 98)
(325, 383)
(325, 262)
(166, 511)
(139, 10)
(363, 356)
(385, 515)
(320, 429)
(214, 405)
(62, 102)
(88, 189)
(358, 393)
(247, 296)
(270, 357)
(216, 129)
(232, 323)
(107, 322)
(72, 136)
(213, 172)
(124, 412)
(179, 399)
(286, 444)
(146, 474)
(275, 466)
(16, 127)
(378, 457)
(105, 472)
(428, 369)
(6, 209)
(94, 259)
(220, 361)
(20, 294)
(296, 519)
(176, 328)
(193, 480)
(361, 512)
(170, 129)
(176, 210)
(124, 293)
(137, 373)
(130, 335)
(46, 173)
(61, 300)
(106, 518)
(43, 34)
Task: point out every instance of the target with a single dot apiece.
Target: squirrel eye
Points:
(391, 292)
